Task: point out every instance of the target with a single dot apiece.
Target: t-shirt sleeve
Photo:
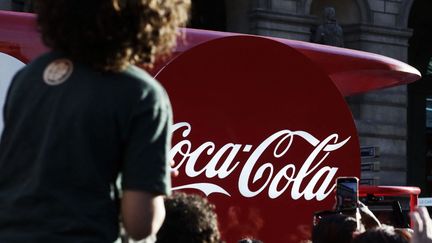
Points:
(147, 143)
(8, 91)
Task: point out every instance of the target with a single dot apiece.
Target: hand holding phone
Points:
(346, 193)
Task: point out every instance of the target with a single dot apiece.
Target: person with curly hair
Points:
(82, 114)
(189, 218)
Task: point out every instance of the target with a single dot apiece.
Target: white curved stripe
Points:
(206, 188)
(314, 141)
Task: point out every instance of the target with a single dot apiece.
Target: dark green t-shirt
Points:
(69, 131)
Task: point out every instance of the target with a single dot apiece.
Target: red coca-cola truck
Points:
(261, 124)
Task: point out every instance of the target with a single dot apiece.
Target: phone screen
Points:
(347, 193)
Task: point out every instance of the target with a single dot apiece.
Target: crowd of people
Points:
(343, 228)
(192, 218)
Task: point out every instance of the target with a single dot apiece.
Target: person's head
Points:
(110, 34)
(335, 228)
(249, 240)
(189, 218)
(329, 14)
(383, 234)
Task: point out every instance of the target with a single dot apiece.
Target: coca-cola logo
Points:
(313, 166)
(262, 132)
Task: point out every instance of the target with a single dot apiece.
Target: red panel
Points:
(352, 71)
(18, 36)
(393, 191)
(260, 106)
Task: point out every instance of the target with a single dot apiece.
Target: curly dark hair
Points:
(110, 34)
(189, 218)
(383, 234)
(336, 228)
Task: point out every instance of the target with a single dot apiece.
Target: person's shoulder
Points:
(35, 66)
(42, 60)
(46, 58)
(140, 76)
(145, 83)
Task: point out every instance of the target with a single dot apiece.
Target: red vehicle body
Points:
(261, 125)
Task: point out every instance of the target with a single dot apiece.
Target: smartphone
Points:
(346, 193)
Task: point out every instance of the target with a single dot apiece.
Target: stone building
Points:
(5, 5)
(393, 120)
(17, 5)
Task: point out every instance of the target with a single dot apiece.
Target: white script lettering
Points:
(222, 163)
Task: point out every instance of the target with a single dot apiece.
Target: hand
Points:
(422, 226)
(368, 219)
(174, 172)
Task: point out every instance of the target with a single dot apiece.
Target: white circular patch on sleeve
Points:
(58, 71)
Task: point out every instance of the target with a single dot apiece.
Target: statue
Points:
(329, 32)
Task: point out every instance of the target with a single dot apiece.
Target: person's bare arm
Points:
(143, 213)
(368, 218)
(422, 226)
